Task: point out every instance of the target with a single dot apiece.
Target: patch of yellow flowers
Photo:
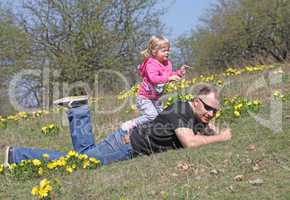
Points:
(50, 129)
(278, 95)
(20, 116)
(124, 94)
(213, 79)
(248, 69)
(236, 106)
(181, 97)
(37, 168)
(43, 190)
(3, 122)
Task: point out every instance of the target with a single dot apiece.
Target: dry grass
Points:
(206, 173)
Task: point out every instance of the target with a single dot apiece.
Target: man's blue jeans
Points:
(111, 149)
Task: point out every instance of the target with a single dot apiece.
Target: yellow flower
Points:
(36, 162)
(51, 126)
(1, 168)
(40, 171)
(69, 169)
(256, 102)
(60, 162)
(42, 190)
(22, 115)
(43, 183)
(238, 107)
(86, 163)
(83, 156)
(220, 82)
(94, 160)
(45, 156)
(276, 93)
(72, 153)
(51, 165)
(34, 191)
(237, 113)
(44, 130)
(133, 107)
(12, 166)
(218, 114)
(249, 103)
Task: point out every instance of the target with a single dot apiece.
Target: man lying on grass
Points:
(182, 125)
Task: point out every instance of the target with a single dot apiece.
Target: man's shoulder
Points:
(180, 107)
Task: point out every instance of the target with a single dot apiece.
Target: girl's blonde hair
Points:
(154, 44)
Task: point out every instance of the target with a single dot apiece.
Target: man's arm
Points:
(189, 140)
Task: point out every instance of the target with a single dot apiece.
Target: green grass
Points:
(159, 176)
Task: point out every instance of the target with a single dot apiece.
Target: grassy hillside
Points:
(255, 164)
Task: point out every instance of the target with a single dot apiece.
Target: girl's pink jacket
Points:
(155, 73)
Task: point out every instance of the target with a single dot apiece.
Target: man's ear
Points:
(194, 103)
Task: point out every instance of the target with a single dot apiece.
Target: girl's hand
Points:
(183, 69)
(174, 78)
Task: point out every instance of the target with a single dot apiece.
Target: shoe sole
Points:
(6, 158)
(68, 100)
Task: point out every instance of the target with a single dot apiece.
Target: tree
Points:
(14, 53)
(241, 32)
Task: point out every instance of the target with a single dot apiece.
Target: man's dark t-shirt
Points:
(159, 135)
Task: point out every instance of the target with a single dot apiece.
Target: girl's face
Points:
(162, 53)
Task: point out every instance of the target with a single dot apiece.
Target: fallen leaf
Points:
(256, 167)
(251, 147)
(239, 177)
(182, 166)
(214, 172)
(231, 188)
(257, 181)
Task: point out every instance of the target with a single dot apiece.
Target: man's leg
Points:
(113, 148)
(81, 134)
(21, 153)
(81, 128)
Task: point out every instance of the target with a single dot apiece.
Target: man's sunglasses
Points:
(207, 107)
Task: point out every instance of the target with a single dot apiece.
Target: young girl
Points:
(156, 71)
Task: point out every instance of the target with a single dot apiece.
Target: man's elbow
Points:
(192, 145)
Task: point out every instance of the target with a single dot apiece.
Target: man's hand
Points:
(174, 78)
(225, 134)
(189, 140)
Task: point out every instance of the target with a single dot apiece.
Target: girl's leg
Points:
(22, 153)
(147, 109)
(148, 113)
(158, 106)
(81, 128)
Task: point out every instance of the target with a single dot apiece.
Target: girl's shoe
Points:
(126, 126)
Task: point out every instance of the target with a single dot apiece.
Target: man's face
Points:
(205, 107)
